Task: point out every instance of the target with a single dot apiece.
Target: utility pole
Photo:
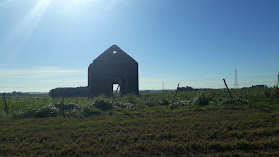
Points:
(278, 80)
(163, 88)
(235, 79)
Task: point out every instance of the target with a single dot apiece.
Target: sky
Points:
(45, 44)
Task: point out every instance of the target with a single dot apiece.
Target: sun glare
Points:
(21, 32)
(32, 18)
(76, 5)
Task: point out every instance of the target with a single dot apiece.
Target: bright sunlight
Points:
(73, 6)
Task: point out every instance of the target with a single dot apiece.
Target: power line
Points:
(239, 84)
(174, 81)
(184, 80)
(209, 79)
(258, 76)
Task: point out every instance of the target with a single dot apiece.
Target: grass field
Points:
(198, 124)
(243, 131)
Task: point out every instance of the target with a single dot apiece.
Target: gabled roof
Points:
(112, 51)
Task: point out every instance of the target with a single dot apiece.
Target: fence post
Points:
(6, 106)
(63, 107)
(175, 96)
(228, 88)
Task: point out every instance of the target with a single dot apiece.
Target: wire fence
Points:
(269, 80)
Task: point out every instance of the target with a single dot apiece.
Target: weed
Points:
(27, 107)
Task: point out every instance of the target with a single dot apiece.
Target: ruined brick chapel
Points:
(113, 66)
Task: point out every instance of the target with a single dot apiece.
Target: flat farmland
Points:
(205, 131)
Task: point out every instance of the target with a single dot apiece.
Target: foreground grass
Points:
(217, 131)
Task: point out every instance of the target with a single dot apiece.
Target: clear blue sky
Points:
(50, 43)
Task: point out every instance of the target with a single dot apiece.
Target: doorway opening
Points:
(116, 89)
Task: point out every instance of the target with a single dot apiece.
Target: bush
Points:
(103, 105)
(24, 114)
(67, 109)
(202, 100)
(164, 102)
(132, 98)
(42, 112)
(275, 93)
(46, 111)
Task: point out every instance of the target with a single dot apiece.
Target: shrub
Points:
(202, 100)
(103, 105)
(64, 108)
(46, 111)
(164, 102)
(40, 112)
(132, 98)
(275, 92)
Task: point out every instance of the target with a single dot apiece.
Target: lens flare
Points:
(20, 34)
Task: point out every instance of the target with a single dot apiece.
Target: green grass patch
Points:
(219, 131)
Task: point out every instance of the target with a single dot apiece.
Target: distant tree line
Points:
(256, 86)
(14, 93)
(69, 92)
(187, 88)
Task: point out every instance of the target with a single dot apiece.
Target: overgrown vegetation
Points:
(41, 107)
(199, 123)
